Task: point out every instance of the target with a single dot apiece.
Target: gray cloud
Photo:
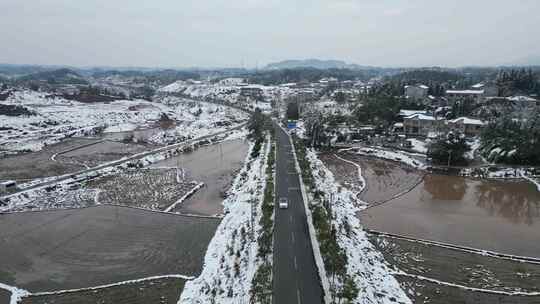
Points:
(177, 33)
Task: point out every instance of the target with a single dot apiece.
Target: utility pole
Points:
(252, 219)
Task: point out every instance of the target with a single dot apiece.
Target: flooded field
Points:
(216, 166)
(432, 293)
(39, 164)
(101, 152)
(70, 155)
(51, 250)
(502, 216)
(385, 179)
(4, 296)
(459, 267)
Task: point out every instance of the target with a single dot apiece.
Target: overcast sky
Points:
(211, 33)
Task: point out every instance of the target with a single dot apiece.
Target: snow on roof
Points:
(290, 84)
(467, 121)
(478, 86)
(465, 92)
(419, 86)
(398, 125)
(420, 116)
(432, 134)
(521, 98)
(253, 86)
(410, 112)
(8, 183)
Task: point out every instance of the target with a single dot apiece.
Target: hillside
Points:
(313, 63)
(59, 76)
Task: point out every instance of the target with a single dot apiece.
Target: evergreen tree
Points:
(449, 150)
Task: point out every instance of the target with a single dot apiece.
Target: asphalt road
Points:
(296, 279)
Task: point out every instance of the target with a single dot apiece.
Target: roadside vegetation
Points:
(262, 281)
(343, 289)
(259, 127)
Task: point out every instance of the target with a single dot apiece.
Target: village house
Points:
(475, 96)
(416, 91)
(405, 113)
(7, 186)
(468, 126)
(490, 89)
(253, 91)
(233, 81)
(421, 124)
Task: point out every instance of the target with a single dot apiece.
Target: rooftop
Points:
(420, 116)
(411, 112)
(465, 92)
(467, 121)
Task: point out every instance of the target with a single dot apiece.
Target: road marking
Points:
(294, 188)
(295, 265)
(298, 296)
(290, 219)
(292, 237)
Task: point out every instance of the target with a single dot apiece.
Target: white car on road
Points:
(283, 203)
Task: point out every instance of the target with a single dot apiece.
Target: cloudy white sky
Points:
(210, 33)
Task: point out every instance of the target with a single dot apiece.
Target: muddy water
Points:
(39, 164)
(216, 166)
(51, 250)
(502, 216)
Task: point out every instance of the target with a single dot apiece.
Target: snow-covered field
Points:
(57, 118)
(365, 265)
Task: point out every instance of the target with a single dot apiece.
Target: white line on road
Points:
(292, 237)
(295, 265)
(298, 296)
(290, 219)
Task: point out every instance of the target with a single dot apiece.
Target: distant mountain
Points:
(59, 76)
(314, 63)
(17, 70)
(527, 61)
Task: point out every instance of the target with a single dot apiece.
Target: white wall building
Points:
(416, 91)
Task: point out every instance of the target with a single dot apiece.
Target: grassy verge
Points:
(262, 281)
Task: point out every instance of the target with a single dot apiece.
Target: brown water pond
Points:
(495, 215)
(215, 165)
